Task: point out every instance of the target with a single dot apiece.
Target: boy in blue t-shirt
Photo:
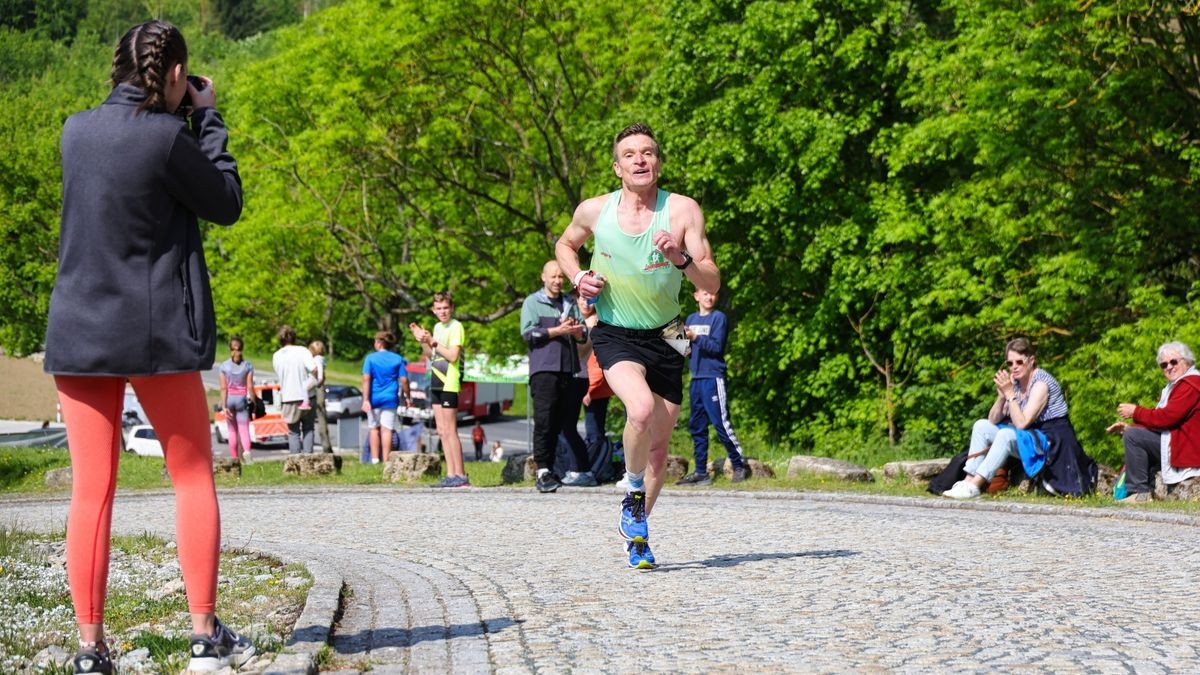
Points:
(385, 381)
(707, 329)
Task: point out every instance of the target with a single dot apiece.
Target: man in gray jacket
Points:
(551, 325)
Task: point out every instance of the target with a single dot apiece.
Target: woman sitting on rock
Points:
(1167, 436)
(1027, 420)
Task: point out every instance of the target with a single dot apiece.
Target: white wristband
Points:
(579, 275)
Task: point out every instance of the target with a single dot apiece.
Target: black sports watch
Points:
(687, 261)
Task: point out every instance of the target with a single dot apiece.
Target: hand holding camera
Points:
(199, 94)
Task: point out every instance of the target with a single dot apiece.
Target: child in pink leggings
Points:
(237, 398)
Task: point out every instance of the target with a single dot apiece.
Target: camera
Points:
(185, 105)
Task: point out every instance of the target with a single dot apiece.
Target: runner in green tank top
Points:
(647, 240)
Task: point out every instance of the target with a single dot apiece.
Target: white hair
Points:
(1179, 348)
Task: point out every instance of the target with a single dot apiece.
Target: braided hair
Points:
(143, 57)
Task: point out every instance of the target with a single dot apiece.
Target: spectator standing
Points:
(707, 329)
(237, 398)
(443, 349)
(552, 326)
(646, 241)
(595, 401)
(384, 385)
(478, 437)
(317, 348)
(135, 178)
(295, 368)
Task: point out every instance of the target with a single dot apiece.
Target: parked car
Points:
(141, 440)
(343, 401)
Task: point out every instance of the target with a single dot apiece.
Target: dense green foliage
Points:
(893, 189)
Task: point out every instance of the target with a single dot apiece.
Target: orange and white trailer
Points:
(269, 429)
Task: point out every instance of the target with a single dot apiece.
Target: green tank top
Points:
(642, 288)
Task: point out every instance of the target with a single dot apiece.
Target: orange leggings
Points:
(176, 406)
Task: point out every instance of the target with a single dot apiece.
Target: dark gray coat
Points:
(132, 295)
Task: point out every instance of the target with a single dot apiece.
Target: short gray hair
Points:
(1179, 348)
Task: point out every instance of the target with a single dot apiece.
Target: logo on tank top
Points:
(655, 261)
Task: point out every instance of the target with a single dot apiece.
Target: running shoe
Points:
(547, 482)
(696, 478)
(221, 649)
(93, 659)
(640, 557)
(454, 482)
(740, 473)
(579, 479)
(963, 489)
(633, 517)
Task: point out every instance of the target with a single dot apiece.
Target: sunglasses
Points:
(1168, 364)
(1018, 362)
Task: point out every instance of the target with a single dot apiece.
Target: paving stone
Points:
(508, 581)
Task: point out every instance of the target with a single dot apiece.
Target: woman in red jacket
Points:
(1166, 437)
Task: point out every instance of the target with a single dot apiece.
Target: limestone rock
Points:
(516, 468)
(836, 468)
(411, 466)
(1187, 491)
(172, 587)
(922, 470)
(226, 466)
(725, 468)
(528, 468)
(1105, 479)
(310, 464)
(58, 478)
(677, 467)
(54, 654)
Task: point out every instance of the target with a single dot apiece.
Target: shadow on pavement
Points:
(735, 560)
(380, 638)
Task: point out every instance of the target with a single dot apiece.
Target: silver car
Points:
(343, 401)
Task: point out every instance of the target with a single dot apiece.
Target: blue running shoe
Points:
(640, 557)
(633, 517)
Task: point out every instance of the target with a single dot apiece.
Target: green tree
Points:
(401, 150)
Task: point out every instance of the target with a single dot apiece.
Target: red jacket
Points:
(1181, 417)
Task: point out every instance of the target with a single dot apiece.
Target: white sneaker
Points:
(623, 484)
(963, 490)
(946, 493)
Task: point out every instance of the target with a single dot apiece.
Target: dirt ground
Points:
(27, 392)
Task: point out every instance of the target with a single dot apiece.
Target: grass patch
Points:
(146, 607)
(26, 468)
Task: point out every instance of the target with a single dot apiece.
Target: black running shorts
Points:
(446, 399)
(664, 365)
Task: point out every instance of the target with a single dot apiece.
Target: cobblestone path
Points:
(513, 581)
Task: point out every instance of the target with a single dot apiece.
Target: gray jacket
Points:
(540, 313)
(132, 295)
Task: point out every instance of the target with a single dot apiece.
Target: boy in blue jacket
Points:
(707, 329)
